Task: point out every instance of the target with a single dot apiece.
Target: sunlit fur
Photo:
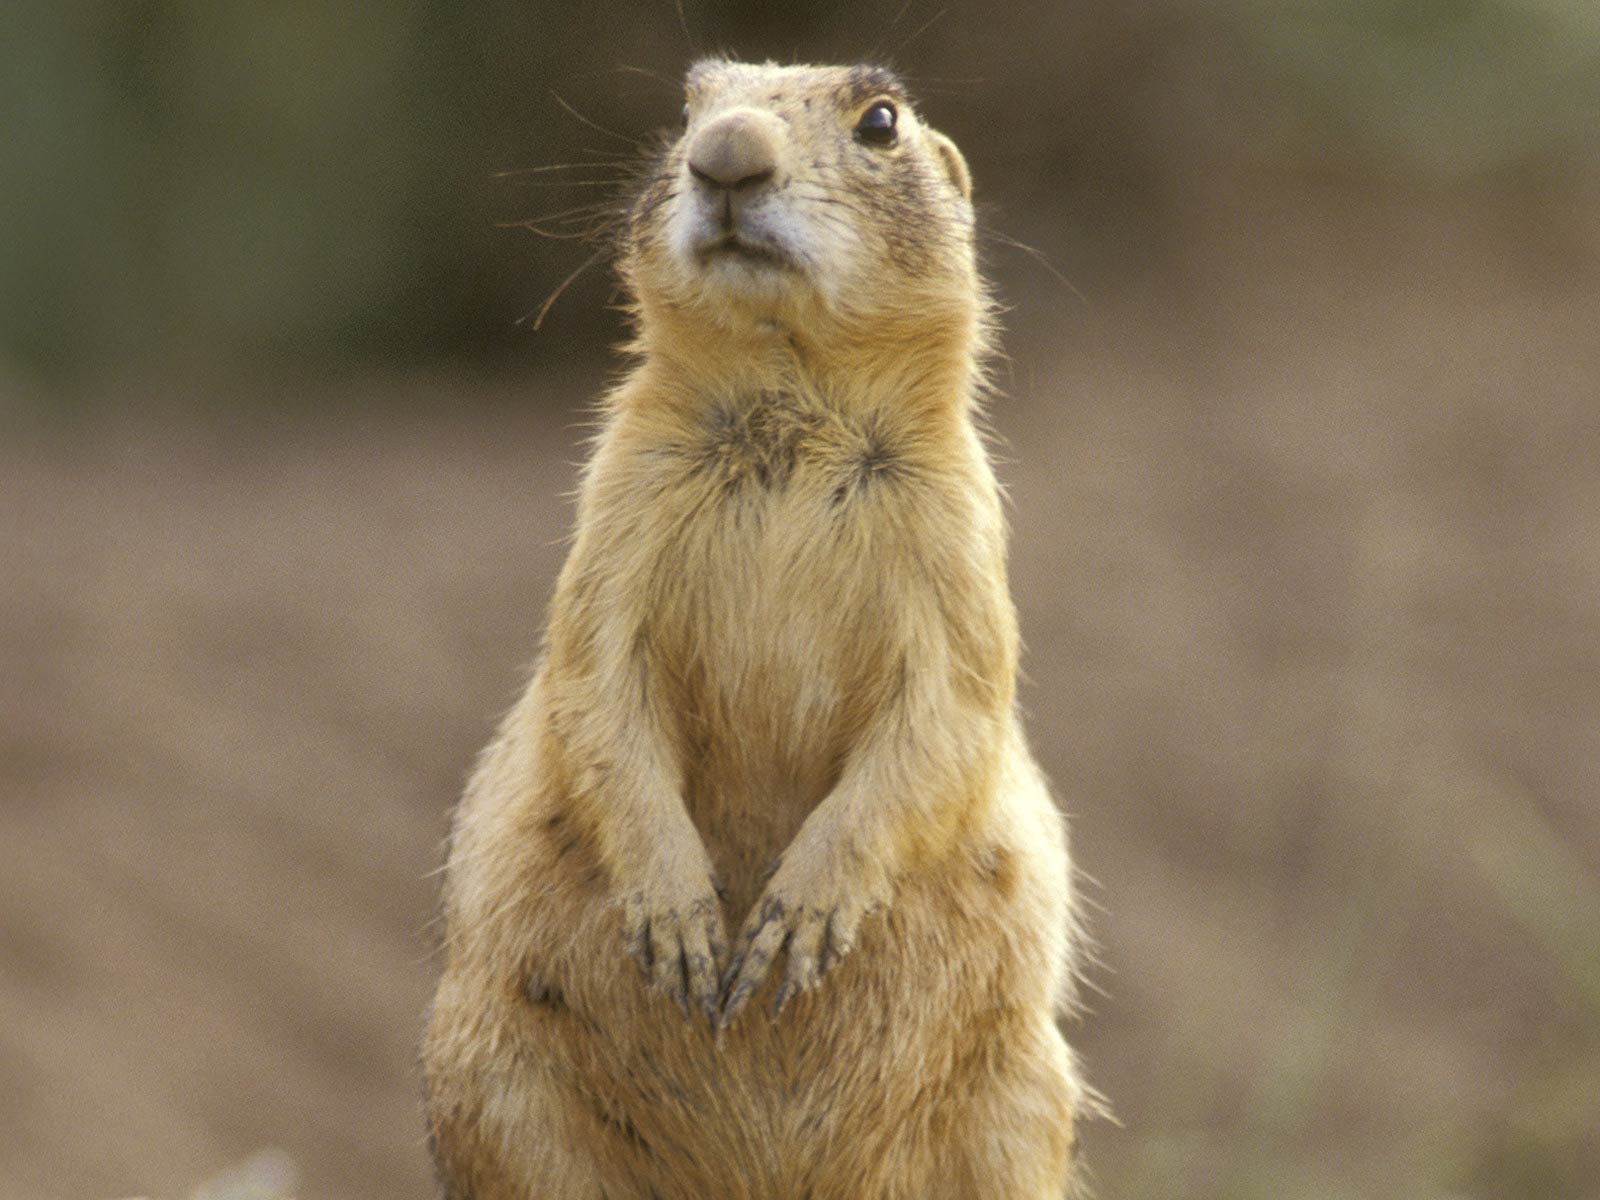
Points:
(781, 663)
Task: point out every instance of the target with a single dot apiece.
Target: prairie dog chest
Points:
(775, 447)
(774, 495)
(781, 548)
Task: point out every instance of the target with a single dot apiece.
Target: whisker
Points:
(652, 75)
(837, 199)
(603, 208)
(586, 234)
(567, 214)
(619, 163)
(1039, 257)
(921, 29)
(544, 309)
(598, 128)
(683, 23)
(877, 47)
(572, 183)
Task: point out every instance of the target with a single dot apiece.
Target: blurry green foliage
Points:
(1458, 87)
(199, 178)
(234, 184)
(205, 182)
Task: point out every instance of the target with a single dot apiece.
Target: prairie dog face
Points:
(797, 188)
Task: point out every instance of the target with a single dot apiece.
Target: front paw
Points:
(810, 917)
(679, 943)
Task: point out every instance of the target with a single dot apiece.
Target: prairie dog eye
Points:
(877, 124)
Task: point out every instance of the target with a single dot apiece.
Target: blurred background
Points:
(1300, 428)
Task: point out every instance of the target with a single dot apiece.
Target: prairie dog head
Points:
(802, 196)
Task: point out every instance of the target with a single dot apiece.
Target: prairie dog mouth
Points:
(730, 246)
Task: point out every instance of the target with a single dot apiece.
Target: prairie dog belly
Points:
(773, 652)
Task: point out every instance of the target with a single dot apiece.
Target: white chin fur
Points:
(808, 256)
(752, 280)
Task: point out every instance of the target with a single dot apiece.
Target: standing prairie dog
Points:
(775, 700)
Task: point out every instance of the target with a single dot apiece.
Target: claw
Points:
(762, 941)
(731, 974)
(809, 939)
(677, 950)
(782, 998)
(683, 983)
(733, 1004)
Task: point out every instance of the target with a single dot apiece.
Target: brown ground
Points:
(1308, 555)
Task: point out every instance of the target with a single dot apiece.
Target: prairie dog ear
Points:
(955, 167)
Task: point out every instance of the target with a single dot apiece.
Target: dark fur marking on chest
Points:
(877, 463)
(759, 444)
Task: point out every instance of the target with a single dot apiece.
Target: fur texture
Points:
(776, 700)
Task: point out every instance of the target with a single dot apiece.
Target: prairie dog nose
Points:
(737, 150)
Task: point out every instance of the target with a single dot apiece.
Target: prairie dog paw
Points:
(679, 942)
(811, 922)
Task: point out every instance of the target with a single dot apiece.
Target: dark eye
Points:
(877, 124)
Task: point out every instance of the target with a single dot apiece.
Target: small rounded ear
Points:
(955, 167)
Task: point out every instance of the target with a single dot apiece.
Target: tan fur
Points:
(781, 663)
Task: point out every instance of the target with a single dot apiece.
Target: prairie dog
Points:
(758, 893)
